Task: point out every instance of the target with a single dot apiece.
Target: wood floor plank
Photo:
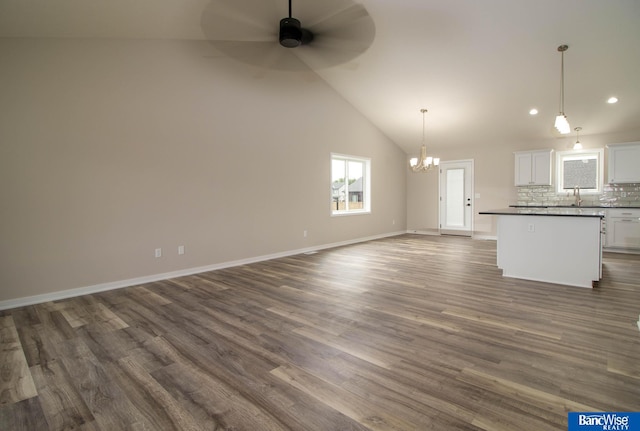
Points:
(33, 345)
(492, 320)
(406, 333)
(153, 399)
(16, 382)
(62, 405)
(625, 361)
(97, 385)
(25, 415)
(365, 353)
(420, 316)
(26, 316)
(210, 398)
(216, 405)
(507, 387)
(343, 401)
(211, 392)
(210, 401)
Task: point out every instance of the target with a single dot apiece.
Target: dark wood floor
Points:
(404, 333)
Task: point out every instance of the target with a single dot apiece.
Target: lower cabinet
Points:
(623, 228)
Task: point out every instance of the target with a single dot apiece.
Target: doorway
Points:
(456, 198)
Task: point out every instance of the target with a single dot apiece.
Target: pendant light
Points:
(577, 145)
(561, 124)
(424, 163)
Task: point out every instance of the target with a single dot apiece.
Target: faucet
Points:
(576, 193)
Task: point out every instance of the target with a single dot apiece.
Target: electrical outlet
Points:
(181, 249)
(158, 252)
(531, 227)
(304, 233)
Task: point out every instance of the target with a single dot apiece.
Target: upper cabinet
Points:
(624, 163)
(533, 168)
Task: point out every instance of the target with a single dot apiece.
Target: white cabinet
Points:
(533, 168)
(624, 163)
(623, 228)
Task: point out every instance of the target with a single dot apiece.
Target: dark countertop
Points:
(549, 211)
(602, 207)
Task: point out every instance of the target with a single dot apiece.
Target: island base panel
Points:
(563, 250)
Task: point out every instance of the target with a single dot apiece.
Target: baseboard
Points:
(436, 232)
(621, 250)
(103, 287)
(424, 232)
(485, 237)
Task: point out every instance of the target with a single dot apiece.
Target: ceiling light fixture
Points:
(424, 163)
(561, 124)
(612, 100)
(577, 145)
(533, 111)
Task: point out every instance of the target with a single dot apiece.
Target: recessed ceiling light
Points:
(612, 100)
(533, 111)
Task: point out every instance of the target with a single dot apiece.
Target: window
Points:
(350, 185)
(581, 169)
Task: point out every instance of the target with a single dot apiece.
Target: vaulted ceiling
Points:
(477, 66)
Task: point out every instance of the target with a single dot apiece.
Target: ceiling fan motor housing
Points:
(290, 33)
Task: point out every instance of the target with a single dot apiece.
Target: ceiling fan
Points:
(334, 32)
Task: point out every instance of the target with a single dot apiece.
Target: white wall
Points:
(110, 149)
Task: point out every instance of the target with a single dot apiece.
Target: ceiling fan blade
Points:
(248, 30)
(240, 20)
(355, 38)
(268, 55)
(340, 17)
(339, 38)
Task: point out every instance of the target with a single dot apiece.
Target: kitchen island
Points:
(553, 244)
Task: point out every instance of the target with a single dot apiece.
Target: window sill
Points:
(349, 213)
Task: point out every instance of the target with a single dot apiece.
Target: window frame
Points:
(596, 153)
(366, 184)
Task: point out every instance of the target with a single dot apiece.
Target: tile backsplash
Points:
(614, 195)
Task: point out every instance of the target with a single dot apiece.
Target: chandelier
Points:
(561, 124)
(424, 163)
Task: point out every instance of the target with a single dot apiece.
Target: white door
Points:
(456, 197)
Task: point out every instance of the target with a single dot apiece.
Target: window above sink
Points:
(580, 168)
